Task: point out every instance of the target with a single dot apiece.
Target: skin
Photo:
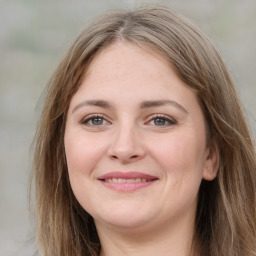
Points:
(167, 141)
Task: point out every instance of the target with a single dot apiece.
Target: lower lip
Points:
(127, 186)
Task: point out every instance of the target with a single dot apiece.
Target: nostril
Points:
(125, 158)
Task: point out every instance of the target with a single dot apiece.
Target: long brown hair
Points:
(226, 214)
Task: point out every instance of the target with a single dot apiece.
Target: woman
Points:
(142, 147)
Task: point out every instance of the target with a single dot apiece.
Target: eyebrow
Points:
(159, 103)
(143, 105)
(97, 103)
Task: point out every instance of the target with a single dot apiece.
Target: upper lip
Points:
(127, 175)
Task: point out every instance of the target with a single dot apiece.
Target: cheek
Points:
(82, 153)
(181, 154)
(82, 156)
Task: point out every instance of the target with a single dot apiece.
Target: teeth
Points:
(120, 180)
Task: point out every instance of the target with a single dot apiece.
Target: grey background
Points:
(33, 37)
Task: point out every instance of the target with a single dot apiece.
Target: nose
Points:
(127, 145)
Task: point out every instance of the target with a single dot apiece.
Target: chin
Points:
(128, 220)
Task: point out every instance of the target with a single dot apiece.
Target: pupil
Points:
(159, 121)
(97, 121)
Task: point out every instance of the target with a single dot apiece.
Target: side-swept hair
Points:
(226, 213)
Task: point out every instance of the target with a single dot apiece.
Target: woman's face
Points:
(135, 142)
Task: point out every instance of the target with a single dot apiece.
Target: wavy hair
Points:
(226, 212)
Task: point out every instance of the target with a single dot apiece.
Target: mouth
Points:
(120, 180)
(127, 181)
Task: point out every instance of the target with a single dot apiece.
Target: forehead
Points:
(123, 73)
(131, 64)
(122, 53)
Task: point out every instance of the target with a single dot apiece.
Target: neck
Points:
(166, 240)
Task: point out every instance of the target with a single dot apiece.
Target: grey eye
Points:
(160, 121)
(97, 121)
(94, 121)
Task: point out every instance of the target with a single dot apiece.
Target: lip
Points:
(146, 180)
(126, 175)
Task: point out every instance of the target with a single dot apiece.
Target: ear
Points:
(212, 161)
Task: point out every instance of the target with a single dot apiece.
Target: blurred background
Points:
(33, 37)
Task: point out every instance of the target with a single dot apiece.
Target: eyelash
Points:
(90, 118)
(167, 119)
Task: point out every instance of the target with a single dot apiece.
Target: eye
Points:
(94, 120)
(162, 121)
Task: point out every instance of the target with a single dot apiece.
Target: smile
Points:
(127, 181)
(119, 180)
